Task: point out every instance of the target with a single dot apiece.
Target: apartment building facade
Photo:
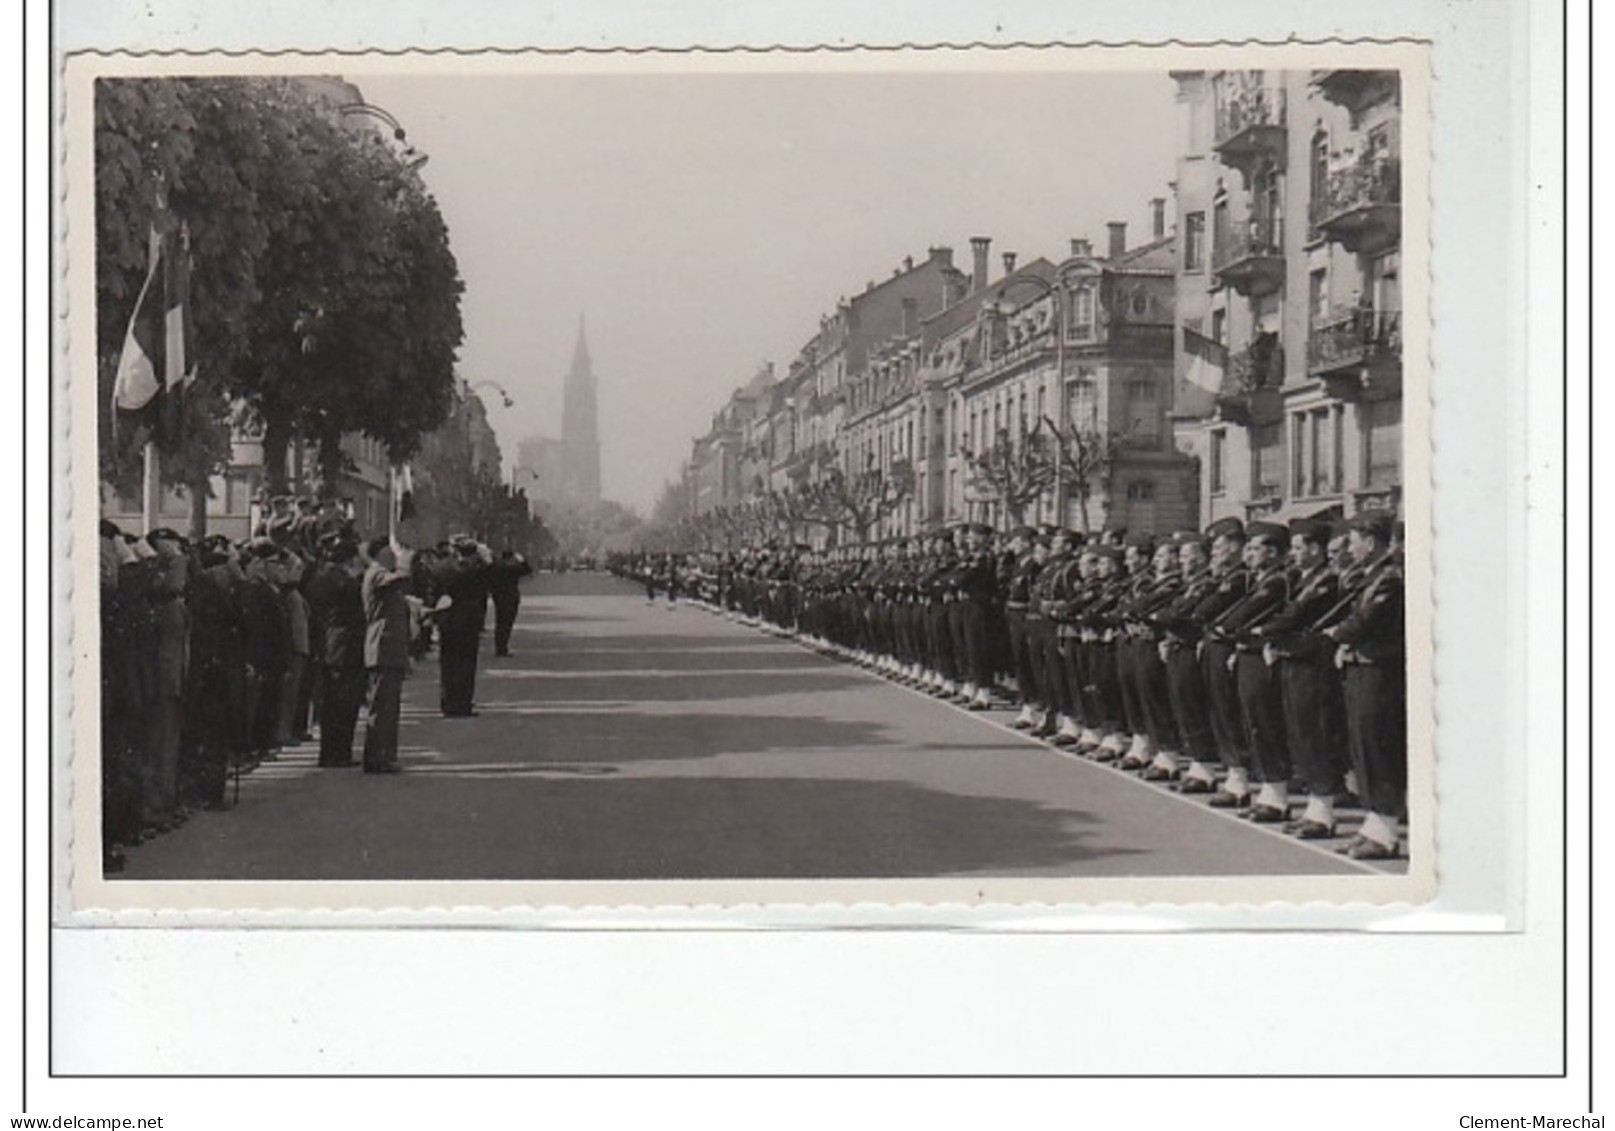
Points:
(1288, 366)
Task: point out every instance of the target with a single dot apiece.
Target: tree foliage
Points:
(325, 298)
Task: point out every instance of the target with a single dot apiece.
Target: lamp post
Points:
(408, 155)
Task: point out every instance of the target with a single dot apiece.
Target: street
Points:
(625, 740)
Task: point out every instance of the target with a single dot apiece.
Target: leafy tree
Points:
(325, 298)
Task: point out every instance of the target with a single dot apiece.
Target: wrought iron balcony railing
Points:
(1250, 257)
(1360, 206)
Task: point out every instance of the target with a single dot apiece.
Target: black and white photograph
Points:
(687, 541)
(790, 473)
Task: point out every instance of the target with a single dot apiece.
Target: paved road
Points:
(625, 740)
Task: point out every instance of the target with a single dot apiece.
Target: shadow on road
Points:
(639, 828)
(533, 729)
(669, 686)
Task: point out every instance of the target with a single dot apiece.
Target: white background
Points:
(422, 1001)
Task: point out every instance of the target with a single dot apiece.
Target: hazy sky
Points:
(705, 222)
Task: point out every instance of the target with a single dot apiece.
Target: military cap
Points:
(1226, 528)
(1182, 538)
(1139, 539)
(1271, 532)
(165, 534)
(215, 549)
(110, 529)
(1026, 532)
(263, 548)
(978, 528)
(1377, 523)
(1311, 529)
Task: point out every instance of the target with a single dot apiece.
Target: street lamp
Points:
(496, 387)
(411, 157)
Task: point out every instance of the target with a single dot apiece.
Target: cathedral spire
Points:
(580, 351)
(580, 429)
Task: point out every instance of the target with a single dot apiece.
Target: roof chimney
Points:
(1081, 249)
(942, 256)
(978, 249)
(1009, 263)
(1158, 218)
(1118, 238)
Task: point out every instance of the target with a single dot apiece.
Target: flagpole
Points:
(392, 503)
(150, 488)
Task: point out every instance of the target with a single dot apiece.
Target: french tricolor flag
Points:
(152, 376)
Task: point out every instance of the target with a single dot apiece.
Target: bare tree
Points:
(1084, 459)
(1014, 473)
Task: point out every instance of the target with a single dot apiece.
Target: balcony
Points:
(1358, 354)
(1249, 396)
(1360, 206)
(1250, 259)
(1355, 90)
(1250, 123)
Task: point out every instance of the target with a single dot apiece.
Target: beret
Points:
(1271, 532)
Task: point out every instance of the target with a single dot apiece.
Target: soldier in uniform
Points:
(1216, 665)
(1098, 622)
(1021, 570)
(974, 585)
(1150, 671)
(1303, 659)
(1048, 620)
(934, 585)
(335, 590)
(504, 587)
(462, 577)
(213, 707)
(1371, 641)
(1266, 545)
(1179, 639)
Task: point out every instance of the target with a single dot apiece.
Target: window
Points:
(1082, 315)
(1298, 453)
(1215, 457)
(1318, 296)
(1143, 413)
(1194, 241)
(1319, 169)
(1382, 443)
(1220, 230)
(1082, 403)
(1337, 448)
(1141, 491)
(1267, 461)
(1219, 327)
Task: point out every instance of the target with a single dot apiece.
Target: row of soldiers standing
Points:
(217, 655)
(1248, 662)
